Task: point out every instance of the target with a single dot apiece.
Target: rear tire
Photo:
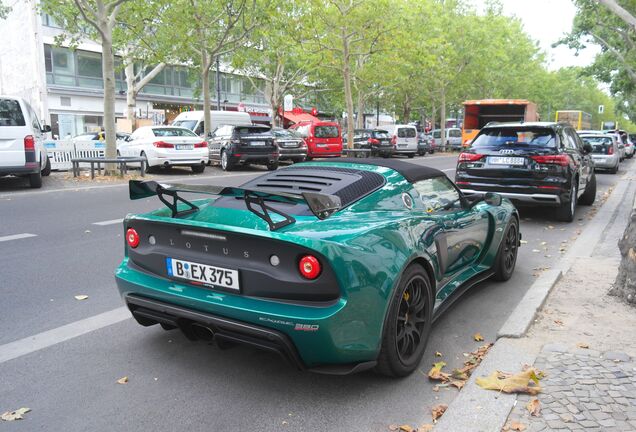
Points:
(35, 180)
(197, 169)
(411, 155)
(507, 255)
(407, 325)
(226, 164)
(614, 170)
(565, 212)
(47, 168)
(149, 169)
(589, 195)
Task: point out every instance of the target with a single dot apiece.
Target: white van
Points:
(22, 151)
(193, 120)
(403, 138)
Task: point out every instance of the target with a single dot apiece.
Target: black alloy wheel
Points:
(411, 319)
(508, 249)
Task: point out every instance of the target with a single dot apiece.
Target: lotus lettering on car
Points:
(279, 252)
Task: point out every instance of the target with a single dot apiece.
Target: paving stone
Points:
(607, 423)
(555, 347)
(612, 355)
(588, 424)
(619, 416)
(600, 415)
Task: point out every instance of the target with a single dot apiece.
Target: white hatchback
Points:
(22, 151)
(166, 146)
(403, 138)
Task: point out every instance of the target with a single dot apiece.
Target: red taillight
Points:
(132, 238)
(394, 140)
(469, 157)
(162, 144)
(373, 141)
(610, 150)
(201, 145)
(309, 267)
(29, 143)
(563, 160)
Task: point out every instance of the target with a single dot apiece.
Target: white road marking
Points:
(16, 237)
(109, 222)
(57, 335)
(449, 169)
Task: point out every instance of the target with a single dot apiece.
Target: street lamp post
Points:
(218, 85)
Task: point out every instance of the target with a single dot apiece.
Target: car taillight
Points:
(469, 157)
(373, 141)
(201, 145)
(309, 267)
(561, 159)
(132, 238)
(610, 150)
(162, 144)
(394, 140)
(29, 143)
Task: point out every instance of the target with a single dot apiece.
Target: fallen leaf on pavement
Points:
(393, 427)
(123, 380)
(81, 297)
(534, 407)
(458, 384)
(583, 345)
(550, 227)
(558, 322)
(438, 354)
(459, 374)
(436, 372)
(523, 382)
(478, 337)
(14, 415)
(406, 428)
(425, 428)
(514, 426)
(438, 411)
(523, 241)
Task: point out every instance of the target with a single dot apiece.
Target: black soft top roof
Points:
(410, 171)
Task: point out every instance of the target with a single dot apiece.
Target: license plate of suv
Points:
(203, 273)
(257, 143)
(506, 160)
(184, 146)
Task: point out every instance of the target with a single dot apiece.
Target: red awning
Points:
(299, 117)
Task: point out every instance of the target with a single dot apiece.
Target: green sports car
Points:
(337, 266)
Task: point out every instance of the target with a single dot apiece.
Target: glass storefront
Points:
(67, 125)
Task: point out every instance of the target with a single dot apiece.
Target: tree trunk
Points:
(360, 109)
(108, 73)
(205, 82)
(346, 73)
(625, 284)
(406, 110)
(442, 125)
(131, 94)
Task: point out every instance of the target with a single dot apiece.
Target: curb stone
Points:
(478, 410)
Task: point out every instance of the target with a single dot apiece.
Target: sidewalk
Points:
(581, 338)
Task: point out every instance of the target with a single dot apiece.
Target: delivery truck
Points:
(579, 120)
(478, 113)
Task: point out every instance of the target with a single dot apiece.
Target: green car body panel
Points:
(367, 245)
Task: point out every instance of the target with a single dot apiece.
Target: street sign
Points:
(288, 102)
(601, 109)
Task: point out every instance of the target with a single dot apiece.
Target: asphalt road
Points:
(74, 245)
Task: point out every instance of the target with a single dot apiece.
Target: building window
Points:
(48, 21)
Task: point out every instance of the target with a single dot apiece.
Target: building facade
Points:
(65, 85)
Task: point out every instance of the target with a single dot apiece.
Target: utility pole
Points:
(218, 85)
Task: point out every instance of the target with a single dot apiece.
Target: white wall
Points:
(22, 54)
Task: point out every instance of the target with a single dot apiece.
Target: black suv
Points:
(531, 164)
(233, 145)
(377, 141)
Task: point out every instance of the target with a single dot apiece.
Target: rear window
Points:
(437, 134)
(286, 133)
(381, 134)
(406, 133)
(525, 137)
(600, 145)
(454, 133)
(168, 132)
(10, 113)
(326, 132)
(251, 130)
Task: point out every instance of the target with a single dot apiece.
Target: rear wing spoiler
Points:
(321, 205)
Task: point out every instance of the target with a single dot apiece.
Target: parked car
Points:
(531, 163)
(99, 136)
(403, 138)
(194, 120)
(291, 146)
(301, 257)
(377, 141)
(323, 139)
(605, 151)
(627, 143)
(424, 144)
(22, 151)
(233, 145)
(166, 146)
(453, 138)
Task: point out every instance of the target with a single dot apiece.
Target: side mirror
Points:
(587, 148)
(46, 128)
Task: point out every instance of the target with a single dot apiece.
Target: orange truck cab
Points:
(478, 113)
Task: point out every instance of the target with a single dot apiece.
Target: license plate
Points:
(506, 160)
(184, 146)
(402, 145)
(203, 273)
(257, 143)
